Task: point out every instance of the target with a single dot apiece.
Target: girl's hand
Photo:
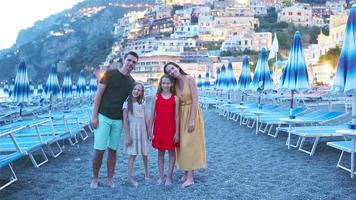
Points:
(191, 126)
(150, 136)
(176, 138)
(129, 141)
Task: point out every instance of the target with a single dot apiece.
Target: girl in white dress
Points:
(136, 130)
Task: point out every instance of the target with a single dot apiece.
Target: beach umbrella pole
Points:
(291, 106)
(353, 121)
(242, 98)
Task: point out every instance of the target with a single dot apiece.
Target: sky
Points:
(20, 14)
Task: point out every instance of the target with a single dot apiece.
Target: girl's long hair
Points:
(159, 89)
(139, 98)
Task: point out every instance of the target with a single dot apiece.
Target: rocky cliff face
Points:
(73, 37)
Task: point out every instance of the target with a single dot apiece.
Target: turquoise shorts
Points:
(108, 133)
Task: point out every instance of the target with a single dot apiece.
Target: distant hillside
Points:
(78, 37)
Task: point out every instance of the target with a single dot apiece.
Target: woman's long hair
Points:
(139, 98)
(159, 89)
(181, 71)
(175, 65)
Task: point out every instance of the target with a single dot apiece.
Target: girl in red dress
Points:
(165, 121)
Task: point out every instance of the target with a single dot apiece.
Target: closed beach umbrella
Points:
(199, 82)
(231, 78)
(32, 88)
(11, 88)
(6, 89)
(346, 67)
(217, 80)
(223, 80)
(21, 91)
(295, 74)
(245, 77)
(262, 80)
(207, 80)
(81, 87)
(262, 77)
(39, 89)
(52, 89)
(93, 84)
(67, 85)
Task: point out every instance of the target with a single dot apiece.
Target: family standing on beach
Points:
(176, 124)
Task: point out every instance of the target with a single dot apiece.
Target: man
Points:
(113, 90)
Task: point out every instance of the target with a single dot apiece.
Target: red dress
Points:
(164, 126)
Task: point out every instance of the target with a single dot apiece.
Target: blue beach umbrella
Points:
(346, 68)
(262, 76)
(217, 79)
(223, 80)
(262, 80)
(32, 88)
(245, 77)
(52, 89)
(199, 81)
(207, 80)
(21, 92)
(295, 74)
(231, 78)
(81, 87)
(11, 88)
(6, 89)
(39, 89)
(67, 85)
(93, 84)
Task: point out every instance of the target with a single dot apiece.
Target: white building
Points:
(188, 31)
(336, 7)
(142, 46)
(175, 45)
(252, 41)
(258, 7)
(299, 14)
(335, 38)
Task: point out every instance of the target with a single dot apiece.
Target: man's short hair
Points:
(134, 54)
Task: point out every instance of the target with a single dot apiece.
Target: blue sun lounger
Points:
(312, 132)
(27, 144)
(344, 146)
(7, 158)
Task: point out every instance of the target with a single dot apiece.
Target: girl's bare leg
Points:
(172, 161)
(130, 179)
(161, 166)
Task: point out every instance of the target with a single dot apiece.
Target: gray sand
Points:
(241, 165)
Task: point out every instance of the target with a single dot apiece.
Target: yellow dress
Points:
(191, 153)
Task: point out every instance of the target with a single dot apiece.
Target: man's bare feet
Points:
(188, 183)
(94, 183)
(168, 182)
(111, 183)
(133, 182)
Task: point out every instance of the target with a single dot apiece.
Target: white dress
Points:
(138, 132)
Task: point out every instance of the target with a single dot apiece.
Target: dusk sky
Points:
(20, 14)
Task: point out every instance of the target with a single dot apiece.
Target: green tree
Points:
(331, 57)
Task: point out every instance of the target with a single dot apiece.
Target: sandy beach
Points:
(241, 165)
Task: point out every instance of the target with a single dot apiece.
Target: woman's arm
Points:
(194, 107)
(176, 135)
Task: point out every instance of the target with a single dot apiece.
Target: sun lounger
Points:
(344, 146)
(312, 132)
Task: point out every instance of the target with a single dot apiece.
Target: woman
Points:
(191, 153)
